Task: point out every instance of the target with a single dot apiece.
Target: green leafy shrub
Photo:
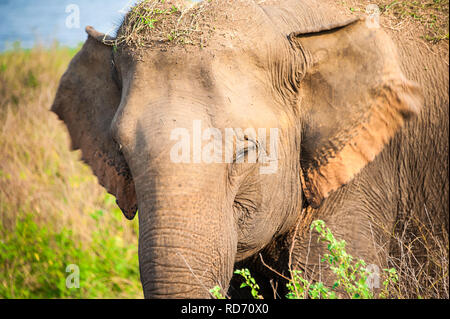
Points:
(351, 275)
(215, 292)
(250, 282)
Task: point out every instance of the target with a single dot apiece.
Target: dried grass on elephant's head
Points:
(166, 22)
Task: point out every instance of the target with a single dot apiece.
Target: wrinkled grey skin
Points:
(336, 90)
(407, 181)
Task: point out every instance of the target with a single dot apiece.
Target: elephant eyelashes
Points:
(240, 154)
(243, 151)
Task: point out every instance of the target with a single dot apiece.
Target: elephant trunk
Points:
(187, 240)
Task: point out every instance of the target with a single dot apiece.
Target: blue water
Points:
(43, 21)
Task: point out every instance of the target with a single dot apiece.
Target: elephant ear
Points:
(87, 100)
(353, 99)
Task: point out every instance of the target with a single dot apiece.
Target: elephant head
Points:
(327, 91)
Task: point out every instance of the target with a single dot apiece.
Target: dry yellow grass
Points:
(38, 172)
(423, 21)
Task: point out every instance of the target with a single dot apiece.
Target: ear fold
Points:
(87, 100)
(353, 99)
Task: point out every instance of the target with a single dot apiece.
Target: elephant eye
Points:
(243, 151)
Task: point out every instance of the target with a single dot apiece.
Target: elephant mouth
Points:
(247, 208)
(122, 181)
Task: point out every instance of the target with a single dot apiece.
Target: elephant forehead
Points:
(162, 24)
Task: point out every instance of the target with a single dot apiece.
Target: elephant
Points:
(358, 134)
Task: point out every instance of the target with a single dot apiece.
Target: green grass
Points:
(53, 213)
(35, 260)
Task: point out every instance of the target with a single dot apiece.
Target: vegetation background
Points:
(53, 212)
